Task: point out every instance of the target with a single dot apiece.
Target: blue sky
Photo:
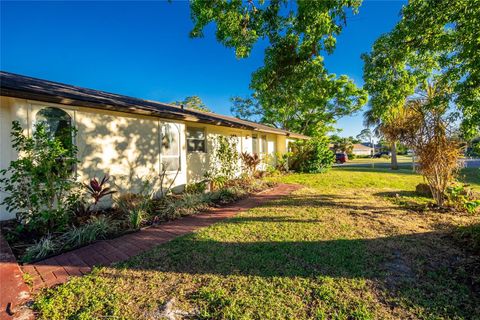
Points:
(142, 49)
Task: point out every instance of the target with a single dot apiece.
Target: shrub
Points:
(42, 248)
(136, 217)
(40, 184)
(312, 156)
(462, 198)
(198, 187)
(250, 162)
(282, 161)
(96, 228)
(224, 157)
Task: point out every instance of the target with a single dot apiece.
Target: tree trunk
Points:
(394, 165)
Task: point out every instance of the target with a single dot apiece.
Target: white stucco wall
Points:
(125, 146)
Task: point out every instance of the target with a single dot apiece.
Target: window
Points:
(170, 155)
(58, 124)
(263, 144)
(196, 140)
(255, 144)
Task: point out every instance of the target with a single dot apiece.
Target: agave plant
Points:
(99, 189)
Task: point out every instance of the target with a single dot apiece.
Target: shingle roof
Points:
(18, 86)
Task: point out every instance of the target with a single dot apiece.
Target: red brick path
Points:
(13, 290)
(58, 269)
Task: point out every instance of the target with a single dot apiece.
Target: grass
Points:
(336, 249)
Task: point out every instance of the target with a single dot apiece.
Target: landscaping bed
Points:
(129, 213)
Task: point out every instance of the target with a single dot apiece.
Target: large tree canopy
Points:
(436, 40)
(293, 90)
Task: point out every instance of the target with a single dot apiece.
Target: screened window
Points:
(58, 124)
(255, 144)
(263, 144)
(170, 155)
(196, 140)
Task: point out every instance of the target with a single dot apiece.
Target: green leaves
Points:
(436, 40)
(293, 90)
(193, 102)
(40, 183)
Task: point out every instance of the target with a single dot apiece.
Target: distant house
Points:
(362, 150)
(128, 138)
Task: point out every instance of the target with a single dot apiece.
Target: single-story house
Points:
(362, 150)
(130, 139)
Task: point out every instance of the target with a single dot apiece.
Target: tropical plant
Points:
(426, 126)
(282, 161)
(40, 185)
(250, 162)
(99, 189)
(343, 145)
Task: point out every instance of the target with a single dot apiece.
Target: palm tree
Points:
(382, 128)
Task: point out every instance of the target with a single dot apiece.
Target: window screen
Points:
(255, 144)
(196, 140)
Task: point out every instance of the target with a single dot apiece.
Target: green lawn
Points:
(336, 249)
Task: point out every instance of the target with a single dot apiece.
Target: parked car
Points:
(384, 154)
(341, 157)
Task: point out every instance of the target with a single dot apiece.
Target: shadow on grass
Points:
(411, 269)
(424, 277)
(327, 201)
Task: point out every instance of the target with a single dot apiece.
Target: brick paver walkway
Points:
(13, 290)
(58, 269)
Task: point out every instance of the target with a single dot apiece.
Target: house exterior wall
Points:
(362, 152)
(126, 146)
(198, 163)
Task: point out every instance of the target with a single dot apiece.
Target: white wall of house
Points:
(124, 146)
(128, 147)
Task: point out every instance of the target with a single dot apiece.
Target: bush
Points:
(40, 184)
(462, 198)
(42, 248)
(224, 157)
(312, 156)
(198, 187)
(96, 228)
